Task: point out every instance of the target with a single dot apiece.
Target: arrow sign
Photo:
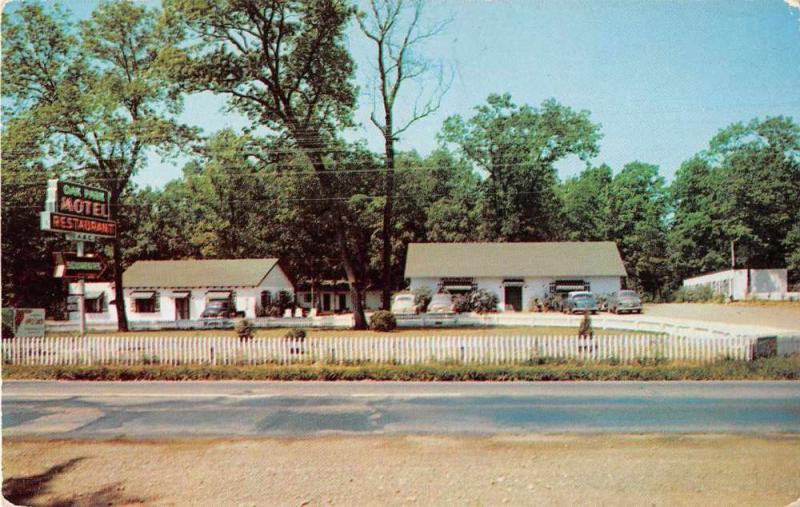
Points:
(70, 265)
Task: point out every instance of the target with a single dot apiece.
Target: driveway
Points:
(777, 315)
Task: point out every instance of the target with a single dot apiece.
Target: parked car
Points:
(624, 301)
(441, 303)
(220, 309)
(403, 304)
(579, 302)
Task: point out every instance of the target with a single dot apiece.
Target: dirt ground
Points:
(777, 314)
(342, 470)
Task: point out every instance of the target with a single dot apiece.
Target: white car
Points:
(441, 303)
(403, 304)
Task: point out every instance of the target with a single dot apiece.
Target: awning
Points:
(513, 282)
(458, 287)
(180, 294)
(143, 294)
(93, 295)
(567, 288)
(218, 294)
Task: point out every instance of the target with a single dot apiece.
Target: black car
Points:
(220, 309)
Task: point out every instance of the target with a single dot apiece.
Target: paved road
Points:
(186, 409)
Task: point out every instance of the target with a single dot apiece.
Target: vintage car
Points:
(624, 301)
(579, 302)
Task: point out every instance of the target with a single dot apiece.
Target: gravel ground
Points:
(776, 314)
(533, 469)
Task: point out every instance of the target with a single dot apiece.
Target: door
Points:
(514, 298)
(182, 308)
(342, 302)
(326, 302)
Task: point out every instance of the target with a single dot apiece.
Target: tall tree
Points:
(285, 65)
(637, 209)
(517, 147)
(394, 26)
(95, 92)
(585, 204)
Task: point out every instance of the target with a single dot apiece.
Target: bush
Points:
(422, 298)
(244, 329)
(585, 330)
(382, 320)
(295, 334)
(483, 301)
(698, 294)
(462, 304)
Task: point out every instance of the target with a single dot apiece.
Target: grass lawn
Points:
(438, 331)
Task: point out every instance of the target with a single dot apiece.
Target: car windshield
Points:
(441, 298)
(216, 305)
(582, 296)
(628, 294)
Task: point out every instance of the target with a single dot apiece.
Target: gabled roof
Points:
(198, 273)
(551, 259)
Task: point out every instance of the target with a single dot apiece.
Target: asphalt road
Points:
(195, 409)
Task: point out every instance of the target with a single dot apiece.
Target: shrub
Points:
(462, 304)
(422, 298)
(295, 334)
(585, 330)
(382, 320)
(483, 301)
(244, 329)
(699, 294)
(535, 305)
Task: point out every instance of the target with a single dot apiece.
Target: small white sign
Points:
(28, 322)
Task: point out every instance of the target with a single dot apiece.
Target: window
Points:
(95, 304)
(145, 302)
(266, 299)
(145, 305)
(307, 297)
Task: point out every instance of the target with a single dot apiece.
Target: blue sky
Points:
(662, 77)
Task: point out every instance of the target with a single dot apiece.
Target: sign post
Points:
(83, 213)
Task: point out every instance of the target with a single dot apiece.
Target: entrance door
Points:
(326, 302)
(342, 302)
(514, 298)
(182, 309)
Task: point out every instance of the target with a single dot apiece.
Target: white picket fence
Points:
(137, 350)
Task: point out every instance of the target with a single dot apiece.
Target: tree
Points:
(284, 65)
(637, 208)
(585, 204)
(394, 27)
(759, 167)
(517, 147)
(96, 94)
(26, 253)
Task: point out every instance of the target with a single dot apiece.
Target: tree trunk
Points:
(353, 278)
(386, 257)
(119, 294)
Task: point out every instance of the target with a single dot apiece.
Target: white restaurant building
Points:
(162, 291)
(516, 272)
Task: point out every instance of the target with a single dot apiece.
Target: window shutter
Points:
(157, 303)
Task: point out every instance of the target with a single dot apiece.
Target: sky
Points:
(661, 77)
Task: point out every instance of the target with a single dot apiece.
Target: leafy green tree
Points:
(26, 253)
(637, 208)
(585, 204)
(95, 92)
(759, 168)
(284, 65)
(517, 148)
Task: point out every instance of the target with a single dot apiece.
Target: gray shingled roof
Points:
(553, 259)
(198, 273)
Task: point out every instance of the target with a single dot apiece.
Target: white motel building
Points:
(516, 272)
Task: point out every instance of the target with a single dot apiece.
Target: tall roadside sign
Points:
(83, 214)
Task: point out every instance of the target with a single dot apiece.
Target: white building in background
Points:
(159, 291)
(333, 296)
(746, 283)
(516, 272)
